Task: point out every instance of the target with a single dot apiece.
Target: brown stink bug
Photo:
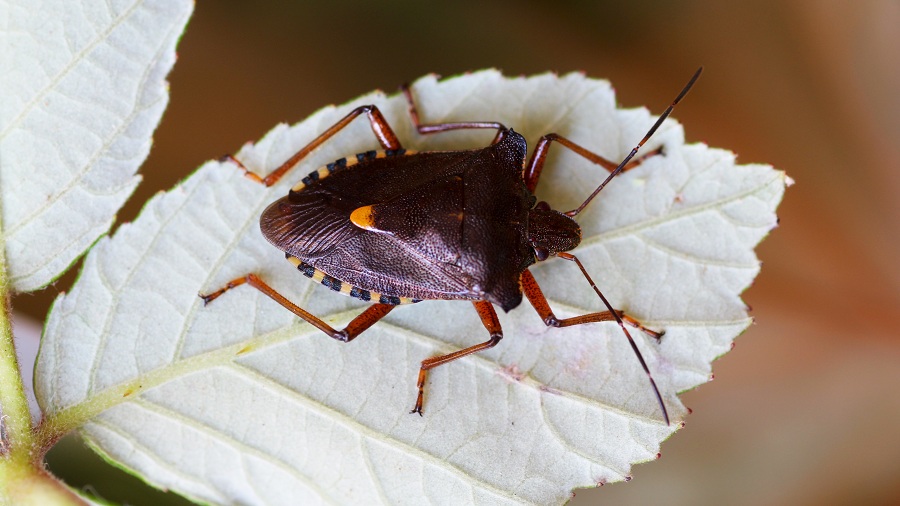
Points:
(397, 227)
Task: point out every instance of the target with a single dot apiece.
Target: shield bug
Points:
(397, 227)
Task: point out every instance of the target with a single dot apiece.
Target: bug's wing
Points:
(311, 223)
(304, 225)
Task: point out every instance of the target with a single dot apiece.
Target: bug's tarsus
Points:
(215, 295)
(619, 320)
(229, 158)
(431, 128)
(636, 324)
(634, 150)
(249, 174)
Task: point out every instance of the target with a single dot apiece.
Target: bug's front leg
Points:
(537, 299)
(356, 326)
(380, 127)
(539, 155)
(491, 323)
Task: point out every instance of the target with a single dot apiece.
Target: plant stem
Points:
(22, 480)
(17, 442)
(27, 486)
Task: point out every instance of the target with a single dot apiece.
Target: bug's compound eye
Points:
(543, 206)
(541, 253)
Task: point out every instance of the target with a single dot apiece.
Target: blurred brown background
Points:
(805, 410)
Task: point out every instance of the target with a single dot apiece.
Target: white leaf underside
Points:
(83, 85)
(239, 402)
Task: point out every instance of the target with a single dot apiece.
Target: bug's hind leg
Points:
(431, 128)
(491, 323)
(380, 127)
(356, 326)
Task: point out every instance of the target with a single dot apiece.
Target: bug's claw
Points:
(231, 284)
(418, 407)
(636, 324)
(655, 335)
(247, 172)
(214, 295)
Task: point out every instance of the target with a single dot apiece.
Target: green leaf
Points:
(239, 402)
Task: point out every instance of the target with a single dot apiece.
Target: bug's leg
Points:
(539, 155)
(380, 128)
(356, 326)
(537, 299)
(491, 323)
(432, 128)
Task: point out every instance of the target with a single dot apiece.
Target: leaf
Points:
(83, 87)
(238, 402)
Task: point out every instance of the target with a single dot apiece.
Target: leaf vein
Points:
(686, 212)
(243, 449)
(76, 59)
(150, 454)
(369, 433)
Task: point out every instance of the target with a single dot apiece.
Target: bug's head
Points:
(550, 232)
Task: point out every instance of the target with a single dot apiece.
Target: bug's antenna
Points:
(573, 258)
(634, 151)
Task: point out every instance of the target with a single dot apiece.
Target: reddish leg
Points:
(626, 162)
(444, 127)
(491, 323)
(539, 155)
(536, 297)
(356, 327)
(380, 128)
